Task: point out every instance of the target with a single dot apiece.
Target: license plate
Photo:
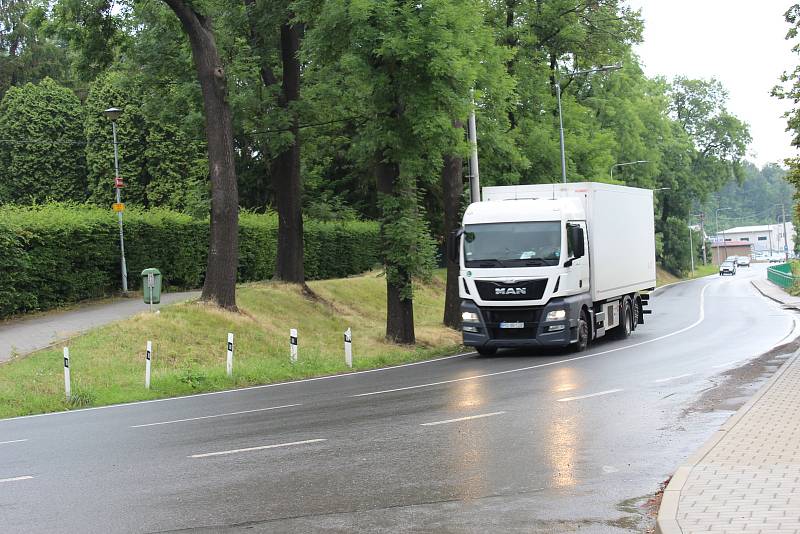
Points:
(512, 325)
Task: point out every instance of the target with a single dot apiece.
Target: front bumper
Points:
(535, 332)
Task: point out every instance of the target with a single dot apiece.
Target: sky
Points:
(741, 43)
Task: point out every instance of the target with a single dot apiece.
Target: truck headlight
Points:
(556, 315)
(470, 317)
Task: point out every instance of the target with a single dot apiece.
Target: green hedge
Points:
(55, 254)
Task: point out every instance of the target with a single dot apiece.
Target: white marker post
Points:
(230, 354)
(147, 364)
(293, 344)
(348, 348)
(66, 373)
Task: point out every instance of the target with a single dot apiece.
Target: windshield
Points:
(516, 244)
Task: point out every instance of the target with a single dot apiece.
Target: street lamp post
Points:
(716, 224)
(605, 68)
(113, 114)
(623, 164)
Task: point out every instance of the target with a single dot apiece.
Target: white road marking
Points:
(461, 419)
(15, 479)
(216, 415)
(261, 448)
(13, 441)
(558, 362)
(607, 392)
(660, 380)
(329, 377)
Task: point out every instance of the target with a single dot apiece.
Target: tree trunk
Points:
(399, 309)
(452, 189)
(223, 251)
(285, 169)
(289, 262)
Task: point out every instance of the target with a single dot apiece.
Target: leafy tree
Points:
(41, 156)
(417, 63)
(27, 54)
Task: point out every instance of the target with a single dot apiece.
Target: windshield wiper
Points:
(535, 261)
(489, 262)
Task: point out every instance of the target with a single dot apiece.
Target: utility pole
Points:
(474, 174)
(703, 234)
(691, 249)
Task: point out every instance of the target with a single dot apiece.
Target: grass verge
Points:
(189, 345)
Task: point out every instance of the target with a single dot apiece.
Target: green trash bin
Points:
(151, 285)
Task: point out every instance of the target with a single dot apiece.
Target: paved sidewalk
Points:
(771, 291)
(746, 478)
(26, 335)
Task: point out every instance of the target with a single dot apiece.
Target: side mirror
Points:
(576, 238)
(453, 242)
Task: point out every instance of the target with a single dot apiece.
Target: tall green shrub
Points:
(41, 155)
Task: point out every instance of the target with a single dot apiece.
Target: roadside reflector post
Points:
(230, 354)
(348, 348)
(293, 344)
(66, 373)
(148, 356)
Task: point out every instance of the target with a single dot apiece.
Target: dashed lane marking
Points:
(599, 393)
(15, 479)
(261, 448)
(216, 415)
(446, 421)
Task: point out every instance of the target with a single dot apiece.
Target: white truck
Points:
(554, 264)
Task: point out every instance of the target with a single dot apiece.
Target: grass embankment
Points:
(189, 345)
(664, 277)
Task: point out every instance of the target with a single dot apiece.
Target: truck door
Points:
(576, 277)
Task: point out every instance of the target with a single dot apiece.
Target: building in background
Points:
(767, 238)
(720, 250)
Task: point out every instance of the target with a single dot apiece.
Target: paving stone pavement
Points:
(746, 479)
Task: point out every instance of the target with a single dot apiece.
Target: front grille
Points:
(512, 333)
(494, 316)
(522, 290)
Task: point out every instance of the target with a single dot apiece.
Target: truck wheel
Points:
(486, 351)
(583, 334)
(626, 323)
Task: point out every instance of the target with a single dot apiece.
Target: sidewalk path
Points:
(746, 478)
(771, 291)
(25, 335)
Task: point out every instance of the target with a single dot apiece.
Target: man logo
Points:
(511, 291)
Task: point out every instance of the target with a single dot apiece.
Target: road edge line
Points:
(667, 520)
(237, 390)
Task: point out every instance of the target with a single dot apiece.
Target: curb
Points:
(667, 522)
(763, 294)
(786, 305)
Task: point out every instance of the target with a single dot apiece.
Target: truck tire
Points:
(486, 351)
(626, 321)
(583, 334)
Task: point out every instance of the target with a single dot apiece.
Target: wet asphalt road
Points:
(358, 452)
